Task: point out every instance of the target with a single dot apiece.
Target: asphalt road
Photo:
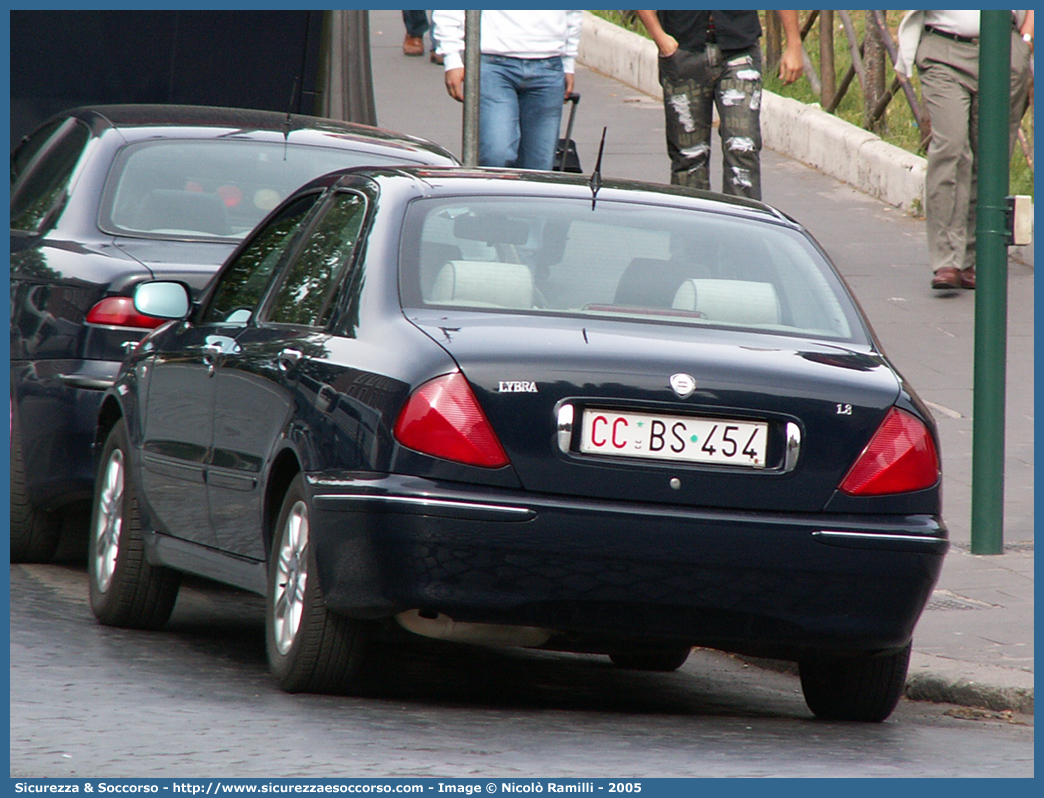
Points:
(196, 700)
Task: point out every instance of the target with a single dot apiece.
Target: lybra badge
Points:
(516, 386)
(683, 385)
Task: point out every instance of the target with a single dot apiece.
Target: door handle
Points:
(288, 359)
(327, 398)
(211, 352)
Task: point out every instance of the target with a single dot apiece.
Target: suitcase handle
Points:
(574, 98)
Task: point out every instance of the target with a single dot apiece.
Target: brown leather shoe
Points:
(968, 278)
(437, 58)
(946, 277)
(413, 45)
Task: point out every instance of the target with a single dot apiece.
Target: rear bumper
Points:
(598, 572)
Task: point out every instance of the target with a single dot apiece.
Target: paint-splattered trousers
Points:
(693, 84)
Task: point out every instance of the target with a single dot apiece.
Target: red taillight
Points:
(442, 418)
(118, 311)
(900, 458)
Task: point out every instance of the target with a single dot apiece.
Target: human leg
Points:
(499, 130)
(416, 23)
(738, 98)
(1021, 79)
(540, 98)
(949, 84)
(436, 58)
(968, 191)
(687, 103)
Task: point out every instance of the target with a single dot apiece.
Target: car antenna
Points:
(596, 175)
(287, 123)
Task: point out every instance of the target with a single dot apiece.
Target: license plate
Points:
(685, 438)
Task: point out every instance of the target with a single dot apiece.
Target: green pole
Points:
(991, 309)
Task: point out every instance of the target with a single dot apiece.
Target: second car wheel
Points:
(863, 688)
(35, 533)
(310, 648)
(125, 589)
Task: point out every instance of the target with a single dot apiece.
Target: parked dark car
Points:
(502, 407)
(103, 198)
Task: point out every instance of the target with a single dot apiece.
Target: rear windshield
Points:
(621, 260)
(212, 188)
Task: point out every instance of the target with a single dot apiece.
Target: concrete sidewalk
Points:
(974, 643)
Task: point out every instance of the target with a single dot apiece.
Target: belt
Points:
(952, 36)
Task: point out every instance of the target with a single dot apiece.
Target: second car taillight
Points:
(118, 311)
(901, 457)
(442, 418)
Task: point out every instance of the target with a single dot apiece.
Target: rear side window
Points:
(626, 261)
(242, 284)
(30, 146)
(306, 295)
(46, 169)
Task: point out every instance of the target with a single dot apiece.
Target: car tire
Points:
(125, 589)
(864, 689)
(310, 648)
(35, 533)
(665, 659)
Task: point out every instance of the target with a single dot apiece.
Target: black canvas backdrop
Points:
(247, 59)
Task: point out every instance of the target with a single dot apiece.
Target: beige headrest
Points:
(730, 301)
(484, 283)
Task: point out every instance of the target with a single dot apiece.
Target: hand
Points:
(667, 45)
(791, 64)
(570, 80)
(455, 83)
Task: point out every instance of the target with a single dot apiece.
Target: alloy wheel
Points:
(109, 523)
(291, 578)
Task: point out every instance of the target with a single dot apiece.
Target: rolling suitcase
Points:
(567, 159)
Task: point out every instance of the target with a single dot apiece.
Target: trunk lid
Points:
(821, 404)
(193, 262)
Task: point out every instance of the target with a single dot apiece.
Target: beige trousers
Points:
(949, 72)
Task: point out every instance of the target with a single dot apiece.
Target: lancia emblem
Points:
(683, 385)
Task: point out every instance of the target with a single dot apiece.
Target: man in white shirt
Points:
(945, 47)
(528, 62)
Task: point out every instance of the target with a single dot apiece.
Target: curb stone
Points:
(940, 681)
(963, 692)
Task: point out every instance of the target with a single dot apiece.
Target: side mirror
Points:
(164, 300)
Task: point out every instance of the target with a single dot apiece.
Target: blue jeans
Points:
(520, 111)
(416, 22)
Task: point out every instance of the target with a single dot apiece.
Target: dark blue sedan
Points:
(103, 198)
(514, 408)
